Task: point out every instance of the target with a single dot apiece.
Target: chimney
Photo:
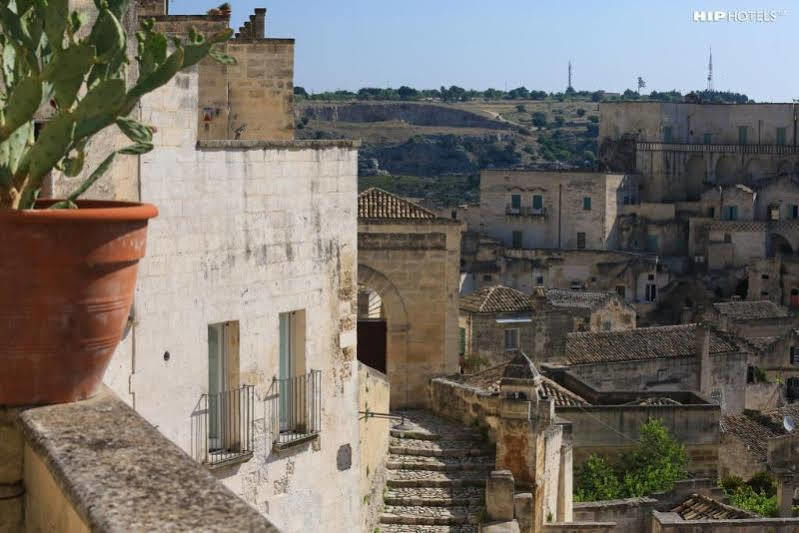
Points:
(247, 34)
(703, 356)
(260, 23)
(253, 36)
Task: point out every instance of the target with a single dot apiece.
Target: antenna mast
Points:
(570, 75)
(710, 71)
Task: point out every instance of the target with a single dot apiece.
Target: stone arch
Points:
(780, 244)
(397, 328)
(756, 169)
(727, 170)
(695, 177)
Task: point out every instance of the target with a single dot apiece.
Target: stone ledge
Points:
(277, 145)
(120, 474)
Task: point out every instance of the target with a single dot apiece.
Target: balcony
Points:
(775, 149)
(222, 427)
(295, 405)
(525, 211)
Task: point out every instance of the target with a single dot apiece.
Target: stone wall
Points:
(415, 268)
(672, 523)
(630, 515)
(468, 405)
(96, 465)
(590, 269)
(373, 395)
(250, 100)
(485, 338)
(246, 231)
(563, 212)
(598, 429)
(727, 375)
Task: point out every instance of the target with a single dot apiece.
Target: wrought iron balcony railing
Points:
(525, 211)
(295, 406)
(222, 426)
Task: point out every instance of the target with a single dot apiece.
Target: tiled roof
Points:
(752, 434)
(749, 310)
(374, 203)
(641, 343)
(698, 507)
(659, 400)
(578, 299)
(489, 380)
(760, 344)
(496, 299)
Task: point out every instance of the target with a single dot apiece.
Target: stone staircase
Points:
(436, 476)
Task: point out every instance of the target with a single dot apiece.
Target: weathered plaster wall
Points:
(373, 395)
(247, 231)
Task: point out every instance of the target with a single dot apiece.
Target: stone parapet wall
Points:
(672, 523)
(96, 465)
(469, 405)
(374, 393)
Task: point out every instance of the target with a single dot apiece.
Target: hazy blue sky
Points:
(348, 44)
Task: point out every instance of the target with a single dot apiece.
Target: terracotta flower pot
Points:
(66, 285)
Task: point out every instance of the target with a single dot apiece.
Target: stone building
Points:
(679, 148)
(688, 357)
(241, 345)
(606, 423)
(250, 100)
(739, 225)
(410, 259)
(497, 322)
(571, 210)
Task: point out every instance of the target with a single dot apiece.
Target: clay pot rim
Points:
(88, 211)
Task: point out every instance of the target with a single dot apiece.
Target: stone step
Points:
(430, 516)
(417, 528)
(420, 434)
(431, 478)
(439, 463)
(435, 496)
(438, 448)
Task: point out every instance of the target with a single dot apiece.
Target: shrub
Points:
(656, 462)
(597, 481)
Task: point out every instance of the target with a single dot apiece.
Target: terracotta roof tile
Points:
(489, 380)
(496, 299)
(374, 203)
(578, 299)
(641, 343)
(749, 310)
(698, 507)
(752, 434)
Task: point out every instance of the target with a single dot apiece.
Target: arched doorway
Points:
(383, 329)
(371, 329)
(727, 170)
(756, 169)
(694, 177)
(777, 244)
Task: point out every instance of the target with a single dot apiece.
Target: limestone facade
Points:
(248, 231)
(410, 258)
(556, 210)
(252, 99)
(679, 148)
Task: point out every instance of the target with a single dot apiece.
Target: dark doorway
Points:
(372, 343)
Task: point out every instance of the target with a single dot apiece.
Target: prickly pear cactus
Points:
(44, 62)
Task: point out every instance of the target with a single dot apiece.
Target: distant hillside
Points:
(404, 141)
